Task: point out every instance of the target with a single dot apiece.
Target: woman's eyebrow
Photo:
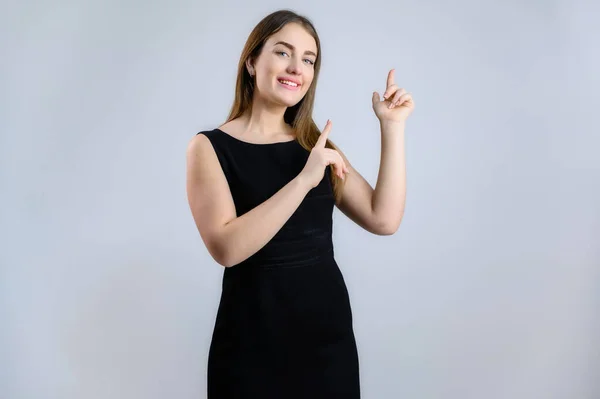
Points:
(286, 44)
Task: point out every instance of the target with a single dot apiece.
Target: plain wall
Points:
(490, 288)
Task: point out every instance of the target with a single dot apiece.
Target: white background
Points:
(490, 288)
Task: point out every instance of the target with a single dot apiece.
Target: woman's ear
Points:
(250, 67)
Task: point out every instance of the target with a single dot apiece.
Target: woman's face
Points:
(285, 68)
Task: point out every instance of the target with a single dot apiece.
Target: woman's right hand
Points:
(320, 157)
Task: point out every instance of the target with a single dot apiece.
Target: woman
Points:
(261, 189)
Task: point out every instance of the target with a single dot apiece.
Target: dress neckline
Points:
(256, 144)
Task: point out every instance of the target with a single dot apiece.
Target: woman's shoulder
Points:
(205, 140)
(208, 144)
(213, 136)
(209, 133)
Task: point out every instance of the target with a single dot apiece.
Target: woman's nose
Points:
(294, 66)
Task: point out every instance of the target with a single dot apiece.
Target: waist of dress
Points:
(306, 257)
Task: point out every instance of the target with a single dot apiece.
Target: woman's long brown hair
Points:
(299, 117)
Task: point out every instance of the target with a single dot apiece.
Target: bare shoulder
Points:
(201, 155)
(198, 145)
(203, 168)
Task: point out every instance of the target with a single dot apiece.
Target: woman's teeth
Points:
(287, 82)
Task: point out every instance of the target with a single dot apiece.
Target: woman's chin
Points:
(287, 102)
(290, 102)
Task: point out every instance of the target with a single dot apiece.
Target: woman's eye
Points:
(307, 60)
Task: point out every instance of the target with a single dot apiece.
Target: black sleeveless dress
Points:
(284, 324)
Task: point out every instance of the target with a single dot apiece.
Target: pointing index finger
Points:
(324, 134)
(390, 78)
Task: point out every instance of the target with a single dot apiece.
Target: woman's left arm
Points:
(380, 210)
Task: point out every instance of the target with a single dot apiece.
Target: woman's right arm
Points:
(231, 239)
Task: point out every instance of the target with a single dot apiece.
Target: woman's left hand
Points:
(397, 103)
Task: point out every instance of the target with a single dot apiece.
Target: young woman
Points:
(262, 188)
